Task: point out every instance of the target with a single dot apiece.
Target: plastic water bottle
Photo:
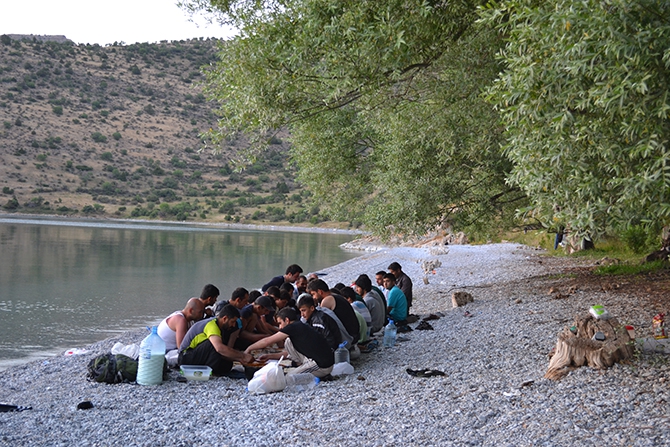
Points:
(152, 356)
(390, 332)
(301, 382)
(342, 353)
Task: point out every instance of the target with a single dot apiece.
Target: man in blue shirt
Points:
(396, 303)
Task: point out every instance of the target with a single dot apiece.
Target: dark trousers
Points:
(205, 354)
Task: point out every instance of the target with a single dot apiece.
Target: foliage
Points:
(629, 269)
(98, 137)
(585, 104)
(382, 100)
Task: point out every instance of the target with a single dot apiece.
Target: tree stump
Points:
(575, 350)
(459, 299)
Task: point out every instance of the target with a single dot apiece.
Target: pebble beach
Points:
(492, 392)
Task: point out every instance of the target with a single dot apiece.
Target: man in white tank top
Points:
(173, 328)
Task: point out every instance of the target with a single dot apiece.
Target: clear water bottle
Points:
(342, 353)
(390, 332)
(301, 382)
(152, 356)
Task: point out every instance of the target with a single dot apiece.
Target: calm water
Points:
(64, 284)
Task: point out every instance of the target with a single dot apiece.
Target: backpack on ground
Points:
(110, 368)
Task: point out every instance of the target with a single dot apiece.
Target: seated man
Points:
(238, 299)
(362, 313)
(254, 326)
(322, 323)
(284, 299)
(208, 296)
(396, 303)
(173, 328)
(293, 271)
(403, 281)
(302, 344)
(341, 307)
(379, 279)
(207, 343)
(374, 302)
(301, 284)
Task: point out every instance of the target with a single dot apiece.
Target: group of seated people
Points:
(305, 318)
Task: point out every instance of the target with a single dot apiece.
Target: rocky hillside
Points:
(115, 131)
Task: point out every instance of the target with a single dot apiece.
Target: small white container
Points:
(196, 372)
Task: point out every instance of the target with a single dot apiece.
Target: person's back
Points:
(377, 309)
(173, 328)
(327, 327)
(347, 316)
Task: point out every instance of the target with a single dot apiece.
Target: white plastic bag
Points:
(341, 369)
(268, 379)
(132, 350)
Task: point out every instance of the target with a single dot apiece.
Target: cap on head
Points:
(266, 302)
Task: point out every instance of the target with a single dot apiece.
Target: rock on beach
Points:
(493, 392)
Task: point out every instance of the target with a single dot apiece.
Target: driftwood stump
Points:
(575, 350)
(459, 299)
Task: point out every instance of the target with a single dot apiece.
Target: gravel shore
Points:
(493, 391)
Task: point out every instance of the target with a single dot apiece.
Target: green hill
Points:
(114, 131)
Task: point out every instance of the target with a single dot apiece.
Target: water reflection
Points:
(64, 285)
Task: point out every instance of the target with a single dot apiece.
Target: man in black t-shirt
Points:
(302, 344)
(321, 322)
(341, 307)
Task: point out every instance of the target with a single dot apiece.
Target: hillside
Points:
(114, 131)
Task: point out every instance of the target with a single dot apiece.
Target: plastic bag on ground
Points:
(172, 358)
(341, 369)
(132, 350)
(268, 379)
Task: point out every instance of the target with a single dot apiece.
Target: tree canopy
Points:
(383, 103)
(584, 100)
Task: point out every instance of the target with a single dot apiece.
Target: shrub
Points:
(11, 204)
(98, 137)
(7, 190)
(117, 137)
(58, 110)
(107, 156)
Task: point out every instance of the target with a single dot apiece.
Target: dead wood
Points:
(579, 349)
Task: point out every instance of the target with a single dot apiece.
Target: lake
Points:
(65, 283)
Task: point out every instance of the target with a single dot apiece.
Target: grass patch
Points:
(631, 269)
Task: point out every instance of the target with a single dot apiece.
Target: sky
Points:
(105, 22)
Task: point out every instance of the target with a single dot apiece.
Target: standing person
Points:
(173, 328)
(341, 307)
(293, 271)
(396, 303)
(206, 343)
(402, 281)
(208, 296)
(302, 344)
(373, 300)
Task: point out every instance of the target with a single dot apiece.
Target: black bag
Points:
(110, 368)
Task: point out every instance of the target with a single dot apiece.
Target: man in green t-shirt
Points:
(209, 342)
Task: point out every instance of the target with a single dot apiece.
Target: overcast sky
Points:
(104, 22)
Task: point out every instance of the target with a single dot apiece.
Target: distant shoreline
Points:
(213, 225)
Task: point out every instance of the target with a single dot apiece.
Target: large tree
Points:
(585, 103)
(382, 100)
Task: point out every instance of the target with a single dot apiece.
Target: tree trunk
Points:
(575, 350)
